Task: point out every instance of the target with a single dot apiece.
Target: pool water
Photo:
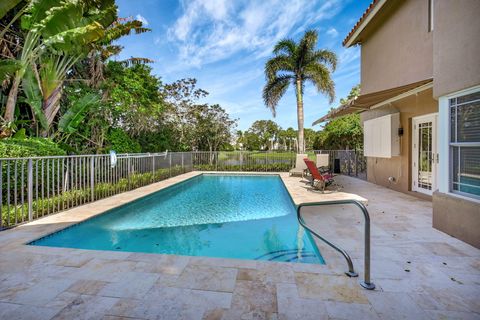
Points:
(228, 216)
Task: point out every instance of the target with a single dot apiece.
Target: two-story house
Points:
(420, 104)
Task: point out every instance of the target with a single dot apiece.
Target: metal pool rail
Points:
(366, 283)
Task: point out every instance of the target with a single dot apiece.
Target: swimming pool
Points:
(227, 216)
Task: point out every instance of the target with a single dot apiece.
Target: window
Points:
(465, 144)
(430, 15)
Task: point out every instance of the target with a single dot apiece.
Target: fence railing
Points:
(31, 188)
(348, 162)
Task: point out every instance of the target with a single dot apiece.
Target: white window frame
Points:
(430, 15)
(445, 164)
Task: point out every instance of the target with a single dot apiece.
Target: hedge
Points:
(32, 147)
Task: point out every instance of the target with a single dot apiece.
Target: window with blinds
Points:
(465, 144)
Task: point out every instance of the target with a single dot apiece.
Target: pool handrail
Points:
(366, 283)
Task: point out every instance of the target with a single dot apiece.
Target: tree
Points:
(134, 96)
(180, 97)
(212, 127)
(342, 133)
(58, 33)
(267, 132)
(298, 63)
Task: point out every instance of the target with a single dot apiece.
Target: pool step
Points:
(289, 255)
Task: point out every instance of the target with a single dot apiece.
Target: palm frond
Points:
(119, 30)
(134, 61)
(305, 47)
(8, 68)
(319, 75)
(325, 56)
(285, 46)
(274, 91)
(279, 63)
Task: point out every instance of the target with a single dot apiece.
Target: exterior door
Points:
(424, 155)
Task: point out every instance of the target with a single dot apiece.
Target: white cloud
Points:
(332, 32)
(212, 30)
(141, 18)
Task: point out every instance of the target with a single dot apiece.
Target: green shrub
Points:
(121, 142)
(20, 148)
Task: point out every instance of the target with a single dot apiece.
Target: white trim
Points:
(403, 95)
(433, 118)
(444, 143)
(462, 92)
(364, 23)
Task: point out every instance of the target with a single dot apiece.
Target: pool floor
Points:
(227, 216)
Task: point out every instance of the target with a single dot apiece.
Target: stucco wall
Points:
(397, 47)
(456, 46)
(457, 217)
(380, 169)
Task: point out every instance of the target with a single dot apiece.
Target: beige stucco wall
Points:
(397, 47)
(380, 169)
(457, 217)
(456, 45)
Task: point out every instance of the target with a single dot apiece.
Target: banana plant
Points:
(75, 114)
(7, 5)
(59, 33)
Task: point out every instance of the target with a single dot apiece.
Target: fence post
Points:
(183, 167)
(153, 167)
(30, 189)
(170, 164)
(215, 157)
(266, 156)
(128, 171)
(356, 164)
(92, 177)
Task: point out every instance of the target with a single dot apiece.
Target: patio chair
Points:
(300, 165)
(319, 181)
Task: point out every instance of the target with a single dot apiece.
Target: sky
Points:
(224, 44)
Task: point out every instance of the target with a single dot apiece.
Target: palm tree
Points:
(298, 63)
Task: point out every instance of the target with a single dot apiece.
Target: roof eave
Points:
(352, 38)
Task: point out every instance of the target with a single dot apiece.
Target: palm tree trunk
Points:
(51, 106)
(301, 143)
(12, 100)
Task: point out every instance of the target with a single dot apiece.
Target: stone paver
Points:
(420, 273)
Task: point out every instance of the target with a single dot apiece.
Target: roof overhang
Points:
(367, 16)
(376, 99)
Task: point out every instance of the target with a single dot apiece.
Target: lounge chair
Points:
(300, 165)
(323, 163)
(319, 181)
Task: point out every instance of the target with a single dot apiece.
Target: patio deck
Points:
(420, 273)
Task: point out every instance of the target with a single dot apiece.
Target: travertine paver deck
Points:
(420, 272)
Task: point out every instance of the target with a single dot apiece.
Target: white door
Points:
(424, 153)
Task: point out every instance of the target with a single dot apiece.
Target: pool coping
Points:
(24, 234)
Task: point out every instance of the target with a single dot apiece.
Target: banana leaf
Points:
(74, 116)
(34, 96)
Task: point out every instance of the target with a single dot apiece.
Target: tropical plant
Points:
(58, 34)
(344, 132)
(297, 63)
(105, 48)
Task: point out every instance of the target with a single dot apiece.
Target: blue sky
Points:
(224, 45)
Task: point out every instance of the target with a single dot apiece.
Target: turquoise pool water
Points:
(228, 216)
